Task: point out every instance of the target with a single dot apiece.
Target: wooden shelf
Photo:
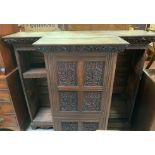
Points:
(35, 73)
(43, 119)
(119, 107)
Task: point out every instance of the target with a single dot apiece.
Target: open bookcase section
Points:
(32, 64)
(39, 105)
(34, 80)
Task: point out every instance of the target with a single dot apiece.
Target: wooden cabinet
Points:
(13, 109)
(68, 64)
(81, 88)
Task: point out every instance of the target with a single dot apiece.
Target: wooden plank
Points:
(80, 88)
(4, 96)
(6, 108)
(35, 73)
(8, 121)
(3, 83)
(79, 34)
(75, 39)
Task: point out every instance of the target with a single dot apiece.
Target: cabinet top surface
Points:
(79, 34)
(26, 35)
(80, 40)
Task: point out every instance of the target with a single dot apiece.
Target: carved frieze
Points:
(135, 43)
(82, 48)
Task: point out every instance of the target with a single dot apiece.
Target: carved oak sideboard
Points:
(79, 69)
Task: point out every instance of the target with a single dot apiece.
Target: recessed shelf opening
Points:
(38, 97)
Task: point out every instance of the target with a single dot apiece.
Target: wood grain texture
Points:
(8, 121)
(6, 29)
(3, 83)
(4, 96)
(6, 108)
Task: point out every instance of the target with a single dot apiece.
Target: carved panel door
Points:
(81, 89)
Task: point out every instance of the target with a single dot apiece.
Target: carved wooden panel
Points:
(81, 86)
(69, 126)
(92, 101)
(67, 73)
(93, 73)
(68, 101)
(90, 126)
